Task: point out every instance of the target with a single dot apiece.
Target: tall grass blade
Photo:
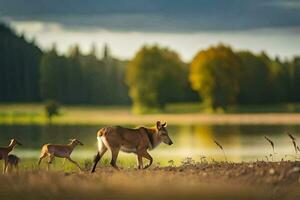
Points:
(293, 140)
(271, 142)
(221, 147)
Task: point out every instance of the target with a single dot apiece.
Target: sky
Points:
(184, 26)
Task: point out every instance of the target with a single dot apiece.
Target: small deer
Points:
(137, 141)
(4, 151)
(59, 150)
(13, 162)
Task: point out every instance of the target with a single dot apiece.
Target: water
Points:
(240, 142)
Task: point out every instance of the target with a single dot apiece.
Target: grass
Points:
(191, 180)
(186, 113)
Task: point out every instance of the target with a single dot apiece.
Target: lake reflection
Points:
(240, 142)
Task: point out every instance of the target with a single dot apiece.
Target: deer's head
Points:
(163, 133)
(14, 142)
(76, 142)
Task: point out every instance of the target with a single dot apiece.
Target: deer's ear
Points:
(164, 124)
(158, 124)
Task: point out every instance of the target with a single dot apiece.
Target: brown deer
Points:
(13, 162)
(59, 150)
(137, 141)
(4, 151)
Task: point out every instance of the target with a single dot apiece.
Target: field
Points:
(191, 180)
(166, 179)
(192, 113)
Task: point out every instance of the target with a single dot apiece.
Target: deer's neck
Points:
(11, 146)
(72, 145)
(155, 140)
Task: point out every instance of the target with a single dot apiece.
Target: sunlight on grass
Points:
(184, 113)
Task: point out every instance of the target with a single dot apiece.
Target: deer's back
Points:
(125, 137)
(56, 149)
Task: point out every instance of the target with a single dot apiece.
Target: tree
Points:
(154, 76)
(52, 109)
(295, 80)
(19, 67)
(215, 75)
(53, 76)
(106, 52)
(74, 76)
(77, 78)
(254, 79)
(278, 83)
(93, 78)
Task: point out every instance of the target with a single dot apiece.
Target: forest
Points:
(218, 76)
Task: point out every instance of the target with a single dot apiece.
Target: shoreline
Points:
(96, 118)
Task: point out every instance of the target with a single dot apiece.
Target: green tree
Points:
(254, 79)
(53, 75)
(278, 80)
(154, 78)
(74, 77)
(215, 75)
(51, 109)
(19, 67)
(294, 69)
(93, 78)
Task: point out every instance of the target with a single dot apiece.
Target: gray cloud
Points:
(157, 15)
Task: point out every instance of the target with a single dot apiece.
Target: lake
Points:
(240, 142)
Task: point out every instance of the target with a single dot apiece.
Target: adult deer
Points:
(137, 141)
(4, 151)
(59, 150)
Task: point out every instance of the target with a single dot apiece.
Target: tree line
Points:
(19, 68)
(220, 76)
(27, 74)
(223, 77)
(83, 79)
(155, 76)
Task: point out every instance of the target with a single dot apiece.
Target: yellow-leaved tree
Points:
(215, 74)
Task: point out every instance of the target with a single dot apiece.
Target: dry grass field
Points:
(219, 180)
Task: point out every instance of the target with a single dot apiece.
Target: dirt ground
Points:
(219, 180)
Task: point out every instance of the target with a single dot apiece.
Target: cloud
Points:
(275, 41)
(287, 4)
(156, 15)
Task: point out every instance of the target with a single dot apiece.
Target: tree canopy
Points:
(155, 76)
(19, 67)
(82, 79)
(253, 68)
(215, 75)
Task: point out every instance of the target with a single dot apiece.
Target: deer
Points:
(137, 141)
(13, 162)
(4, 151)
(59, 150)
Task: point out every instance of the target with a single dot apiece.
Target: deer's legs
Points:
(114, 156)
(98, 157)
(51, 157)
(64, 161)
(3, 170)
(5, 163)
(17, 167)
(9, 167)
(41, 158)
(149, 157)
(140, 160)
(74, 162)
